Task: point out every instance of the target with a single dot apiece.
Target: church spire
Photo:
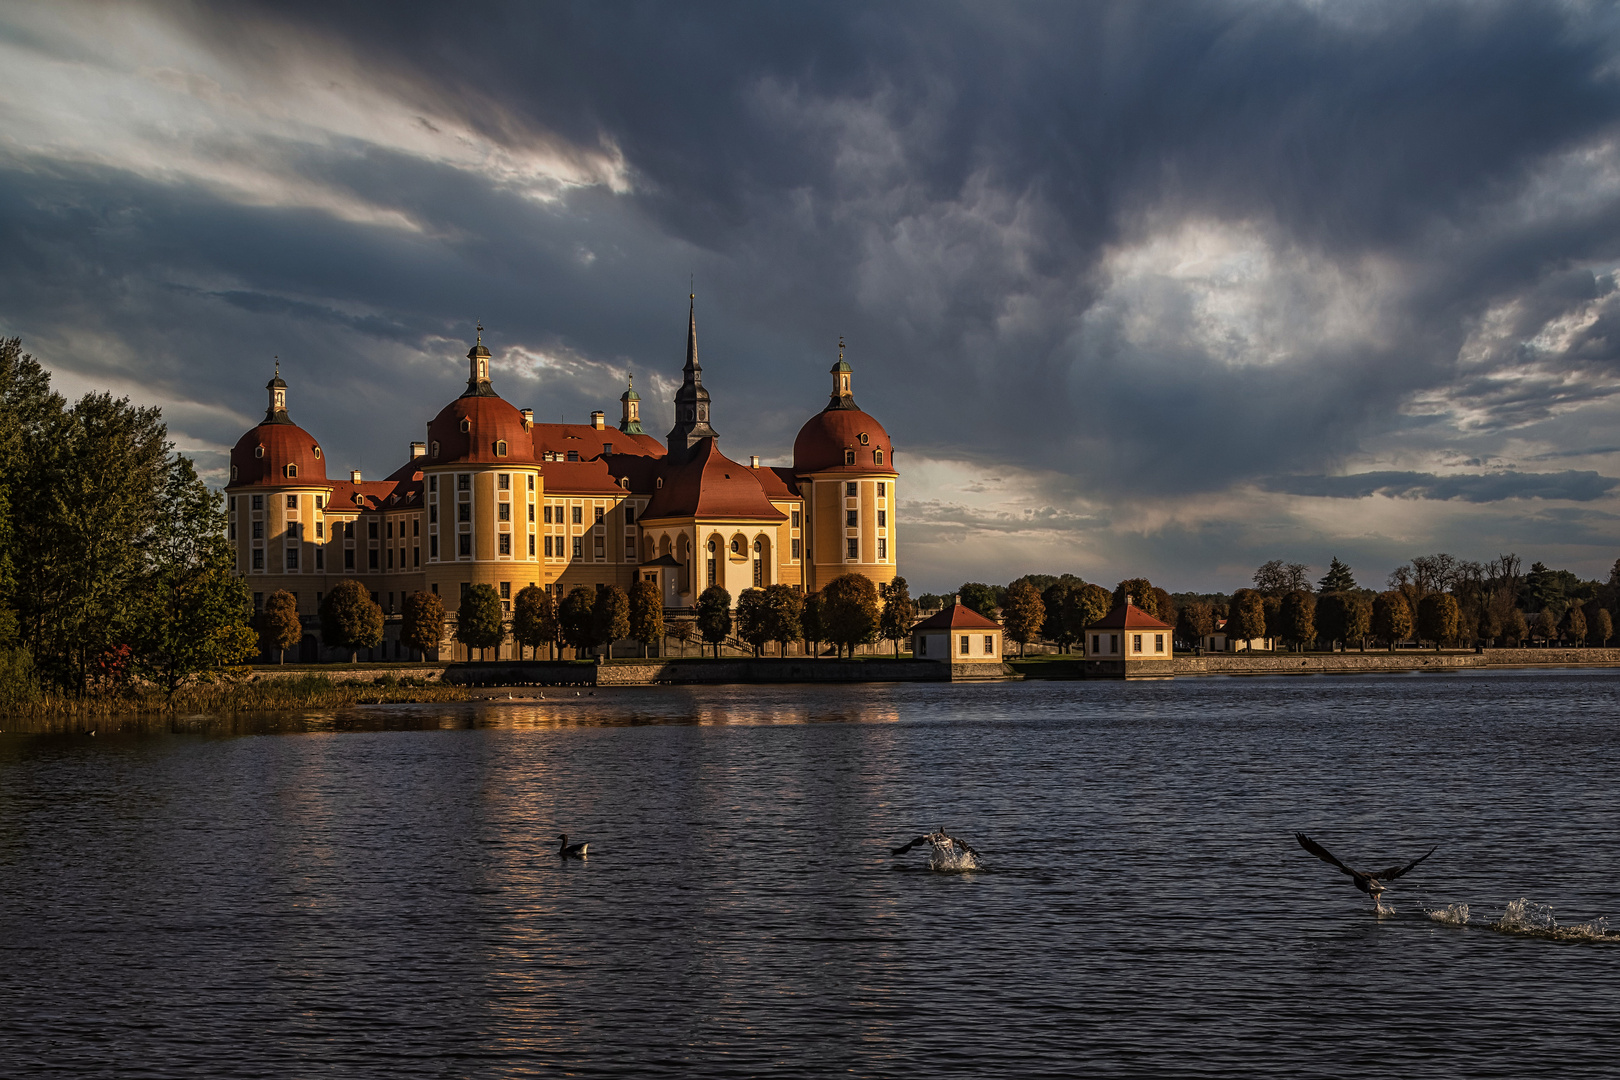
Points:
(691, 400)
(843, 374)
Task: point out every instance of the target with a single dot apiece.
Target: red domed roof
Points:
(822, 443)
(277, 454)
(489, 420)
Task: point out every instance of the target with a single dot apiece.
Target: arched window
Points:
(711, 547)
(258, 451)
(849, 457)
(292, 471)
(500, 447)
(736, 546)
(877, 457)
(233, 472)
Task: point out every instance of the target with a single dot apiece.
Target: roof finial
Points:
(278, 365)
(629, 382)
(480, 339)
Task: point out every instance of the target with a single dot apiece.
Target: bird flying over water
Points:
(1370, 882)
(571, 851)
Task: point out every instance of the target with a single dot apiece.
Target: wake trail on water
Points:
(1526, 918)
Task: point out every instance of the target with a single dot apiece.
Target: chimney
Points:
(354, 476)
(1129, 599)
(528, 419)
(418, 449)
(956, 598)
(753, 461)
(598, 419)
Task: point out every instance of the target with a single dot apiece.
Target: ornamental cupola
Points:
(691, 400)
(277, 387)
(478, 384)
(842, 373)
(630, 422)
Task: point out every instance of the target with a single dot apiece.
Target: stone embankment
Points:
(679, 672)
(1245, 663)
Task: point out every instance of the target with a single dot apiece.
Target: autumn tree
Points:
(422, 627)
(714, 616)
(1053, 598)
(1246, 616)
(534, 619)
(682, 630)
(1023, 614)
(784, 610)
(1391, 617)
(753, 620)
(1438, 619)
(1141, 593)
(1196, 621)
(1600, 627)
(899, 613)
(479, 622)
(849, 611)
(278, 624)
(1514, 627)
(1575, 621)
(1298, 611)
(1546, 626)
(1358, 614)
(646, 614)
(576, 618)
(610, 616)
(350, 618)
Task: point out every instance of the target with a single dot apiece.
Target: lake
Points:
(376, 891)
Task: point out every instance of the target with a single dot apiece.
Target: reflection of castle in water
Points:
(493, 497)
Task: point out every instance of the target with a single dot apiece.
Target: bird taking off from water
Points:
(947, 852)
(571, 851)
(1370, 882)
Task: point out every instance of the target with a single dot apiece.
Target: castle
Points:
(492, 497)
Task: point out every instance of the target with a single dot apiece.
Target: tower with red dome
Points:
(844, 465)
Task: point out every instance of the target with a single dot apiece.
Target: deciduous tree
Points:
(479, 622)
(1023, 614)
(534, 619)
(278, 624)
(682, 630)
(1358, 614)
(899, 613)
(849, 611)
(646, 614)
(1546, 625)
(1437, 619)
(1298, 611)
(350, 619)
(1391, 617)
(1246, 616)
(785, 607)
(1141, 592)
(1600, 627)
(714, 616)
(1514, 627)
(610, 616)
(576, 616)
(422, 627)
(812, 626)
(1576, 624)
(753, 619)
(979, 597)
(1196, 621)
(1084, 607)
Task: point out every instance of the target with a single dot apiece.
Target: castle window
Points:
(371, 559)
(258, 558)
(883, 518)
(371, 530)
(233, 473)
(500, 447)
(466, 512)
(796, 543)
(258, 451)
(464, 481)
(877, 457)
(258, 530)
(660, 481)
(292, 502)
(320, 560)
(348, 559)
(531, 481)
(849, 457)
(416, 527)
(433, 546)
(435, 457)
(320, 501)
(503, 481)
(578, 515)
(531, 511)
(573, 455)
(433, 514)
(736, 547)
(506, 543)
(465, 545)
(576, 547)
(416, 556)
(258, 502)
(598, 515)
(850, 489)
(883, 549)
(504, 512)
(466, 425)
(233, 531)
(795, 519)
(850, 519)
(863, 438)
(881, 488)
(317, 453)
(292, 558)
(531, 545)
(854, 552)
(629, 511)
(320, 530)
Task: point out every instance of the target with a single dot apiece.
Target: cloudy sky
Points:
(1160, 289)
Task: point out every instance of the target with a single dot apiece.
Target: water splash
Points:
(1530, 919)
(1451, 915)
(947, 856)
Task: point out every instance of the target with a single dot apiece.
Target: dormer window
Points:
(291, 471)
(317, 453)
(435, 451)
(500, 448)
(877, 457)
(233, 473)
(660, 481)
(849, 457)
(466, 424)
(862, 437)
(258, 451)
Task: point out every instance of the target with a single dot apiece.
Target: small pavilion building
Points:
(959, 635)
(1129, 643)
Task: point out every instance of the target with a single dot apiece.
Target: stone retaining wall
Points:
(339, 673)
(678, 672)
(1245, 663)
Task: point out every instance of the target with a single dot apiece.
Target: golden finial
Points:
(480, 339)
(629, 382)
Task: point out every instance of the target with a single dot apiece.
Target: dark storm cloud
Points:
(1134, 251)
(1476, 488)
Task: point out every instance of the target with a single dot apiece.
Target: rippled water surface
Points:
(375, 892)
